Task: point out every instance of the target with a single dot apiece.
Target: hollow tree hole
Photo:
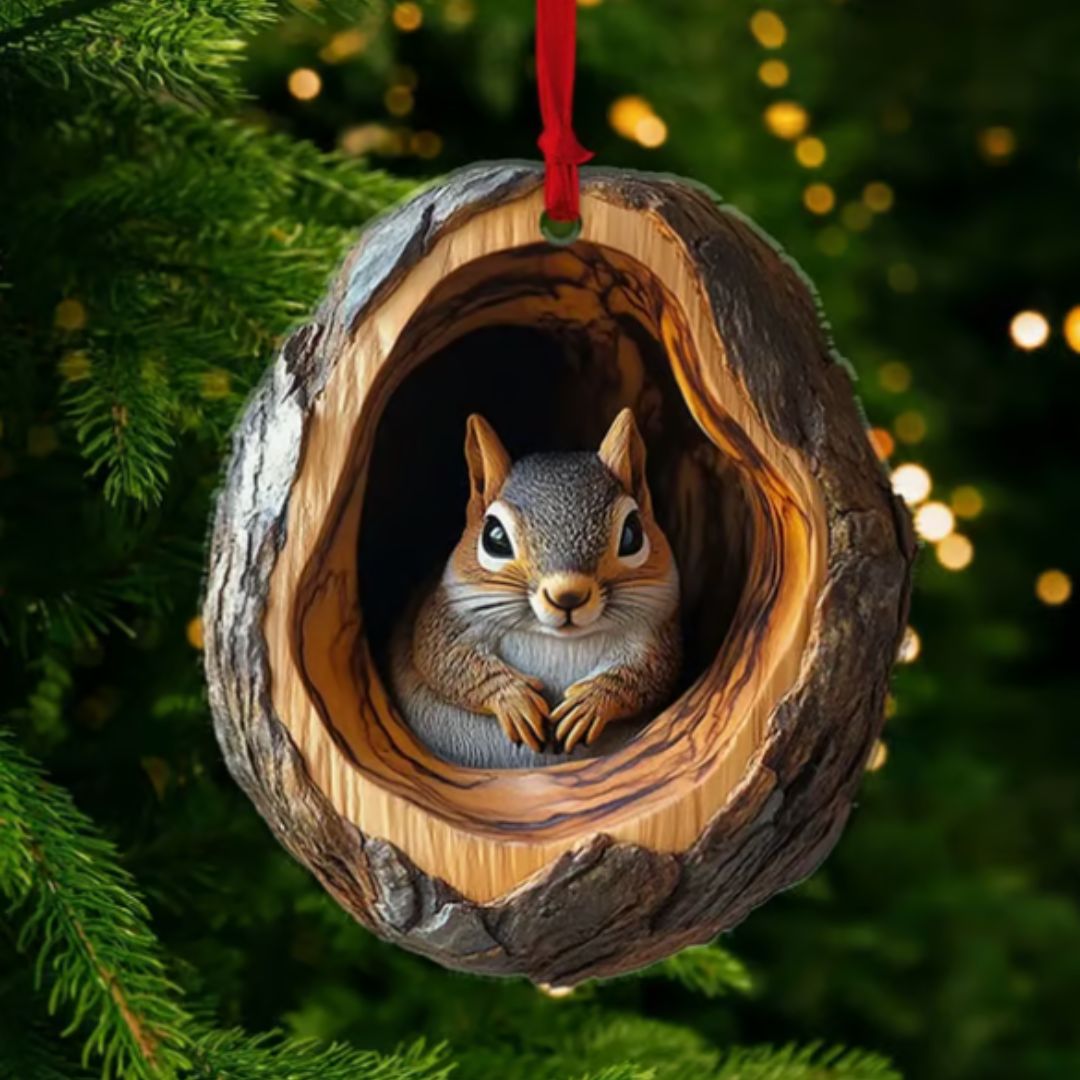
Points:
(555, 384)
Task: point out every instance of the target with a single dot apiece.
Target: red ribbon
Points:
(556, 33)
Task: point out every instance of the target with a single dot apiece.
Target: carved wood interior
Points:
(548, 343)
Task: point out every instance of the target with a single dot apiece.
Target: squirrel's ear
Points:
(623, 452)
(488, 461)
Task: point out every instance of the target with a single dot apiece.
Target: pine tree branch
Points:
(49, 18)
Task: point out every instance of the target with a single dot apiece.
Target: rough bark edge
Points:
(605, 907)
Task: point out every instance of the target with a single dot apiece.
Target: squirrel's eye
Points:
(496, 542)
(632, 536)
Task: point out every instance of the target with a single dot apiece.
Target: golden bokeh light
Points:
(967, 502)
(955, 552)
(882, 442)
(819, 198)
(589, 3)
(304, 84)
(910, 426)
(810, 152)
(879, 754)
(364, 138)
(70, 314)
(910, 647)
(459, 13)
(911, 482)
(74, 366)
(774, 73)
(787, 119)
(768, 28)
(895, 376)
(426, 144)
(194, 633)
(1072, 329)
(651, 132)
(997, 144)
(1053, 587)
(1029, 330)
(408, 16)
(934, 521)
(878, 196)
(625, 113)
(398, 101)
(343, 46)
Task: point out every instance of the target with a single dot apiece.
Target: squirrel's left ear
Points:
(623, 452)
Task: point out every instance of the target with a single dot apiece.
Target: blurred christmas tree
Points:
(162, 228)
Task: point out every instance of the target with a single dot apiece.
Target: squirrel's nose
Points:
(567, 599)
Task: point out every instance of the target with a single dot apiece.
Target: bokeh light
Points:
(787, 119)
(69, 314)
(1072, 329)
(625, 113)
(967, 502)
(882, 442)
(895, 376)
(774, 73)
(194, 633)
(408, 16)
(955, 552)
(934, 521)
(819, 198)
(810, 152)
(1053, 587)
(911, 482)
(878, 196)
(304, 84)
(343, 46)
(910, 647)
(997, 144)
(879, 754)
(910, 426)
(768, 28)
(1029, 330)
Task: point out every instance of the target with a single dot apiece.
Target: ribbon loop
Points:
(556, 32)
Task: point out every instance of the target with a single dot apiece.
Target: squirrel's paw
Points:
(522, 712)
(586, 709)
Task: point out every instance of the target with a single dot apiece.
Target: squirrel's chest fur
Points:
(556, 662)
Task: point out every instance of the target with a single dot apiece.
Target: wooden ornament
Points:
(346, 488)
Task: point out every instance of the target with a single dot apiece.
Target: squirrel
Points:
(557, 612)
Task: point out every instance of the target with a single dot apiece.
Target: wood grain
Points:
(742, 785)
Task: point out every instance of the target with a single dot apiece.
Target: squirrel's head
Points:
(564, 544)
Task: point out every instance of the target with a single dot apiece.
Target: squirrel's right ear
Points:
(488, 462)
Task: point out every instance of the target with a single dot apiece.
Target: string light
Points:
(910, 426)
(878, 196)
(1072, 329)
(74, 366)
(934, 521)
(1053, 587)
(426, 144)
(343, 45)
(459, 13)
(911, 482)
(997, 144)
(955, 552)
(408, 16)
(787, 119)
(625, 113)
(895, 377)
(305, 84)
(398, 101)
(768, 28)
(70, 314)
(1029, 330)
(194, 633)
(882, 442)
(651, 132)
(967, 502)
(774, 73)
(879, 754)
(910, 647)
(364, 138)
(810, 152)
(819, 198)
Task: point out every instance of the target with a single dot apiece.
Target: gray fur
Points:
(561, 499)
